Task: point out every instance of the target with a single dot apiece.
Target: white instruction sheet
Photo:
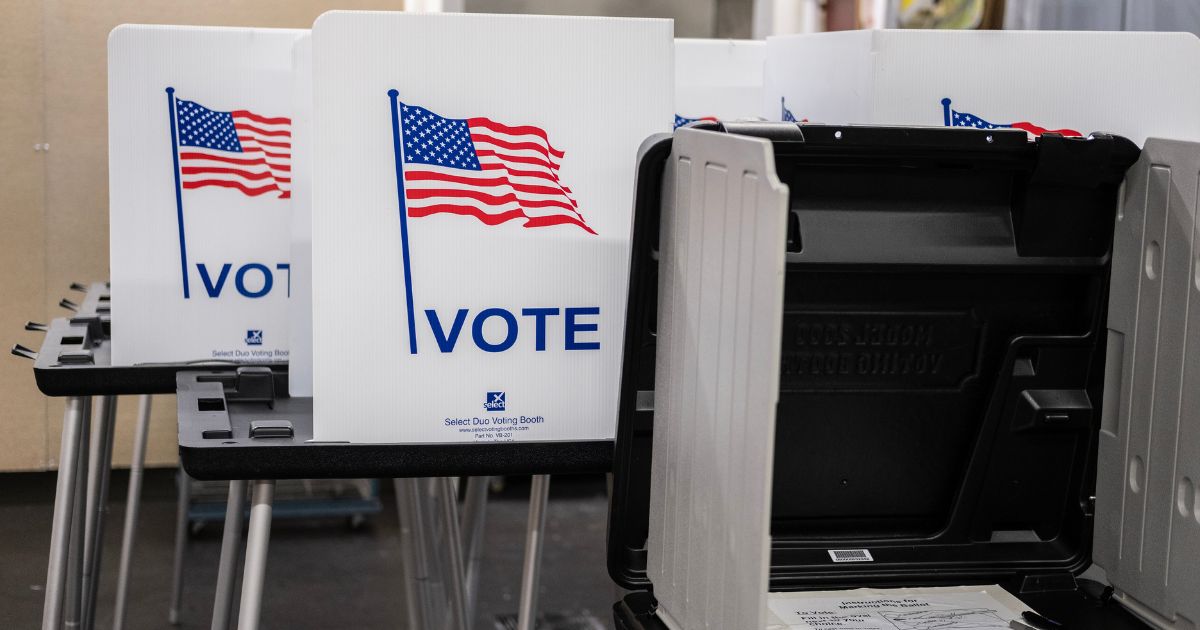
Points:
(943, 608)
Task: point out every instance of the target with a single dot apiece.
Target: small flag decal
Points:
(954, 118)
(684, 120)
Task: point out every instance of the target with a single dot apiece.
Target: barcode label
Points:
(850, 555)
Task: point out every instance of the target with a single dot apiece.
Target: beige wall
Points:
(22, 230)
(54, 204)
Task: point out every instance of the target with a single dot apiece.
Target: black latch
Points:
(254, 384)
(76, 357)
(94, 329)
(270, 429)
(22, 351)
(1050, 409)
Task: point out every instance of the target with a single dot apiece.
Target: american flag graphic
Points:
(240, 149)
(962, 119)
(480, 168)
(684, 120)
(787, 113)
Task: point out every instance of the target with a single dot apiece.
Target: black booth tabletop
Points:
(75, 356)
(241, 424)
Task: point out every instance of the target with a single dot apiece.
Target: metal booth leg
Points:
(431, 549)
(231, 543)
(432, 580)
(539, 493)
(184, 484)
(72, 617)
(97, 504)
(473, 515)
(407, 495)
(455, 577)
(257, 538)
(77, 409)
(132, 504)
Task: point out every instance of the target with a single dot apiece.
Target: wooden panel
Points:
(76, 227)
(22, 251)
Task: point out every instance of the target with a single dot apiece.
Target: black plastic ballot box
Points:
(898, 334)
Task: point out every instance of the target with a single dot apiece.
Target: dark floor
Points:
(320, 573)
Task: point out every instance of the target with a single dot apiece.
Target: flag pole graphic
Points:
(412, 322)
(187, 294)
(946, 111)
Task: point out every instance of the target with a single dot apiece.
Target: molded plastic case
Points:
(889, 339)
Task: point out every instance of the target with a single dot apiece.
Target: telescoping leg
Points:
(407, 492)
(181, 534)
(99, 476)
(73, 615)
(455, 576)
(132, 504)
(473, 516)
(231, 543)
(539, 493)
(77, 409)
(257, 538)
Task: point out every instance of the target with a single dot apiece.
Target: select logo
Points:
(254, 337)
(494, 401)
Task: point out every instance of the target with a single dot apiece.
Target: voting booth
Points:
(871, 358)
(495, 230)
(476, 221)
(1067, 82)
(469, 261)
(200, 186)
